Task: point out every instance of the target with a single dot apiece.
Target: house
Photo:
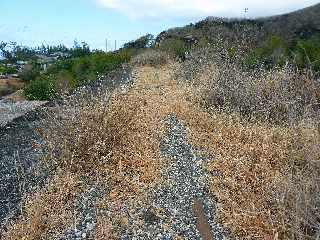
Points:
(60, 55)
(21, 63)
(45, 61)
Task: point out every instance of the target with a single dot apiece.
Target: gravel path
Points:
(183, 208)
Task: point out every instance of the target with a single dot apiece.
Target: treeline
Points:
(12, 52)
(77, 66)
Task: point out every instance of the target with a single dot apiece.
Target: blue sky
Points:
(33, 22)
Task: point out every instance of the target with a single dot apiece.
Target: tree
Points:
(146, 41)
(13, 52)
(80, 49)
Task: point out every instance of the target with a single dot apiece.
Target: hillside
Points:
(299, 24)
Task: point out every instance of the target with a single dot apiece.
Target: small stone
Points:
(150, 217)
(124, 221)
(77, 234)
(90, 226)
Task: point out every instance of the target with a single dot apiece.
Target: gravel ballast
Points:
(10, 110)
(177, 200)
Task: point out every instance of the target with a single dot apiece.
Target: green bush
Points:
(40, 89)
(88, 68)
(307, 53)
(2, 69)
(274, 52)
(7, 70)
(65, 75)
(174, 47)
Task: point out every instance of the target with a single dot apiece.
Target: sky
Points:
(36, 22)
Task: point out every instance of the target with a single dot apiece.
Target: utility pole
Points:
(246, 10)
(115, 45)
(106, 45)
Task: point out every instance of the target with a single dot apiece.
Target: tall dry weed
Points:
(263, 129)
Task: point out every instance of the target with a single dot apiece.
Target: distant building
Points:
(21, 63)
(46, 61)
(60, 55)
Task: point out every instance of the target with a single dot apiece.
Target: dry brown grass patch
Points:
(263, 129)
(48, 212)
(266, 177)
(8, 86)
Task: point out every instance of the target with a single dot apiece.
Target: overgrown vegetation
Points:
(174, 47)
(266, 146)
(7, 70)
(304, 54)
(263, 127)
(54, 70)
(43, 88)
(65, 75)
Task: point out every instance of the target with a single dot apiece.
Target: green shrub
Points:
(65, 75)
(7, 70)
(307, 53)
(87, 68)
(40, 89)
(274, 52)
(2, 69)
(174, 47)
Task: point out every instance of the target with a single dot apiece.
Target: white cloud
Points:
(201, 8)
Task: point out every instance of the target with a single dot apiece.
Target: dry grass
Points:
(263, 129)
(150, 57)
(265, 177)
(8, 86)
(276, 95)
(113, 141)
(48, 212)
(153, 89)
